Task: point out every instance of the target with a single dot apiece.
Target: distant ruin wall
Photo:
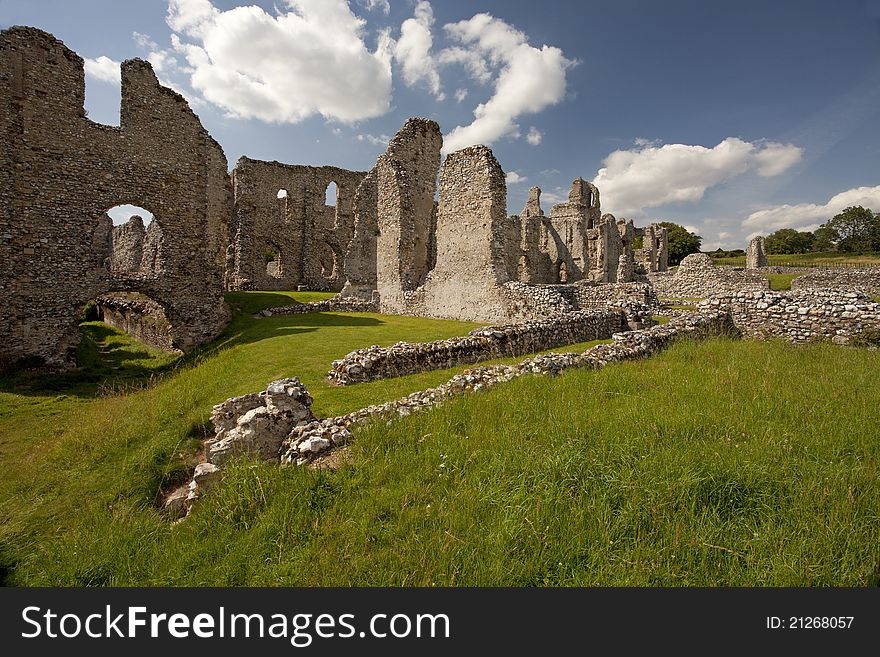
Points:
(127, 246)
(480, 344)
(285, 235)
(801, 316)
(60, 173)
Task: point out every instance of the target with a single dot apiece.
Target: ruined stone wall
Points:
(756, 254)
(866, 279)
(407, 180)
(801, 316)
(338, 304)
(60, 173)
(281, 242)
(471, 251)
(360, 257)
(654, 254)
(127, 245)
(479, 345)
(590, 295)
(139, 316)
(698, 277)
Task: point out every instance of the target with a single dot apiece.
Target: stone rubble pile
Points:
(800, 316)
(336, 304)
(485, 343)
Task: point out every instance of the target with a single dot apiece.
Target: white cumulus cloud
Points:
(528, 81)
(102, 68)
(413, 50)
(808, 216)
(308, 59)
(650, 175)
(512, 178)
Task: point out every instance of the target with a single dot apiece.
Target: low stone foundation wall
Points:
(480, 344)
(800, 316)
(334, 305)
(865, 279)
(251, 424)
(139, 316)
(590, 295)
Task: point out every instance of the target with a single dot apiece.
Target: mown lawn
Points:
(721, 463)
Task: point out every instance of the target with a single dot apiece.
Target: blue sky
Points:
(732, 118)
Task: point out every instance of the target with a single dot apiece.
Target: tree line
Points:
(855, 230)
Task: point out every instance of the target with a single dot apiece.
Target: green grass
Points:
(780, 282)
(739, 463)
(808, 259)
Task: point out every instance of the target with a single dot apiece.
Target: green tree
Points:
(825, 239)
(682, 242)
(788, 240)
(858, 228)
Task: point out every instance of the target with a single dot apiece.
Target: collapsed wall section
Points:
(61, 172)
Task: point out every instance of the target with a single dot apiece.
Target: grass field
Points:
(726, 462)
(808, 259)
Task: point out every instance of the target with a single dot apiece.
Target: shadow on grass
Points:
(110, 361)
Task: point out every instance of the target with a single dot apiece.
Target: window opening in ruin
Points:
(120, 214)
(282, 193)
(273, 263)
(330, 195)
(103, 101)
(563, 273)
(132, 242)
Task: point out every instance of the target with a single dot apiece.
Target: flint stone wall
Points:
(864, 279)
(140, 317)
(697, 276)
(335, 305)
(61, 172)
(309, 237)
(800, 316)
(756, 255)
(480, 344)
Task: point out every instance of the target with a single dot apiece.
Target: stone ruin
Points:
(61, 172)
(284, 235)
(756, 255)
(463, 257)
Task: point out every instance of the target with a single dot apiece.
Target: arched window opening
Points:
(134, 240)
(330, 194)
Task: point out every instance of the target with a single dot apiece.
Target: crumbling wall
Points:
(866, 279)
(61, 172)
(360, 257)
(139, 316)
(756, 254)
(127, 244)
(801, 316)
(406, 182)
(284, 233)
(480, 344)
(698, 277)
(653, 257)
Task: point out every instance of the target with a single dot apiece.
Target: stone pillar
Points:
(756, 256)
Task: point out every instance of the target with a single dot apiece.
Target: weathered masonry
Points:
(285, 234)
(61, 172)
